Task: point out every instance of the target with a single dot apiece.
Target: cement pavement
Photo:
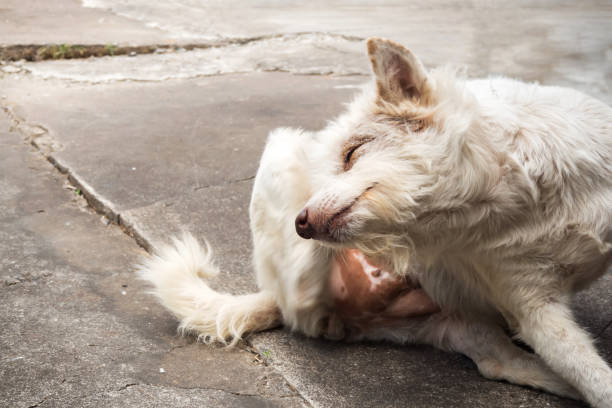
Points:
(78, 330)
(167, 141)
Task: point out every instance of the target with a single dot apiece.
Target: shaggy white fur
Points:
(494, 194)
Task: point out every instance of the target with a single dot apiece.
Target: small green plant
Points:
(42, 52)
(62, 51)
(266, 353)
(111, 49)
(78, 192)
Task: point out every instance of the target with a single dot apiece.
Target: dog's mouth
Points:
(339, 219)
(336, 228)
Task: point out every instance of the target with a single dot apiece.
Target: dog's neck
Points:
(477, 194)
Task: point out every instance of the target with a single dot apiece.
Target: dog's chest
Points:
(367, 296)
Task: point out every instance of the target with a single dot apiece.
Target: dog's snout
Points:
(302, 226)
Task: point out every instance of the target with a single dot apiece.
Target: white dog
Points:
(492, 195)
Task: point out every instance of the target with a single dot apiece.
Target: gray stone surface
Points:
(168, 141)
(67, 21)
(77, 328)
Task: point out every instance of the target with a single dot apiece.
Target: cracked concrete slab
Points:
(77, 328)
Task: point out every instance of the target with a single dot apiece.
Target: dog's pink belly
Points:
(366, 296)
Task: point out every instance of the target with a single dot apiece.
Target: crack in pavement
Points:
(29, 130)
(35, 134)
(45, 398)
(126, 386)
(38, 403)
(41, 52)
(307, 53)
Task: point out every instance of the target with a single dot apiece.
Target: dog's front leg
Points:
(552, 332)
(498, 358)
(486, 344)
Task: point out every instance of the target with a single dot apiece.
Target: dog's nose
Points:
(302, 226)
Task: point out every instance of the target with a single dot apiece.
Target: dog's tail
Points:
(178, 274)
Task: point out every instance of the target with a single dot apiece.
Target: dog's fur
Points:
(494, 194)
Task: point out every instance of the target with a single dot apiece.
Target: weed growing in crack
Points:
(111, 49)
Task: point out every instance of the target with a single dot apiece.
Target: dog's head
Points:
(383, 157)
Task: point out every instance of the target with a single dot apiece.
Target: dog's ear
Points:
(399, 73)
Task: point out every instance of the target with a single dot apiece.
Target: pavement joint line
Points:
(39, 403)
(102, 206)
(246, 345)
(54, 51)
(95, 201)
(30, 131)
(126, 386)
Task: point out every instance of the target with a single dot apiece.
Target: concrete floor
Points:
(171, 140)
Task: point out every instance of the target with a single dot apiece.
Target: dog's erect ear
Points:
(399, 73)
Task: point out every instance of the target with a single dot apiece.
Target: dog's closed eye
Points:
(352, 154)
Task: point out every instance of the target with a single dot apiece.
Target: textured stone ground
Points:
(171, 140)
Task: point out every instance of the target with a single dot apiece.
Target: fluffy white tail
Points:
(178, 274)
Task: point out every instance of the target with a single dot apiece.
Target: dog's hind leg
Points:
(552, 332)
